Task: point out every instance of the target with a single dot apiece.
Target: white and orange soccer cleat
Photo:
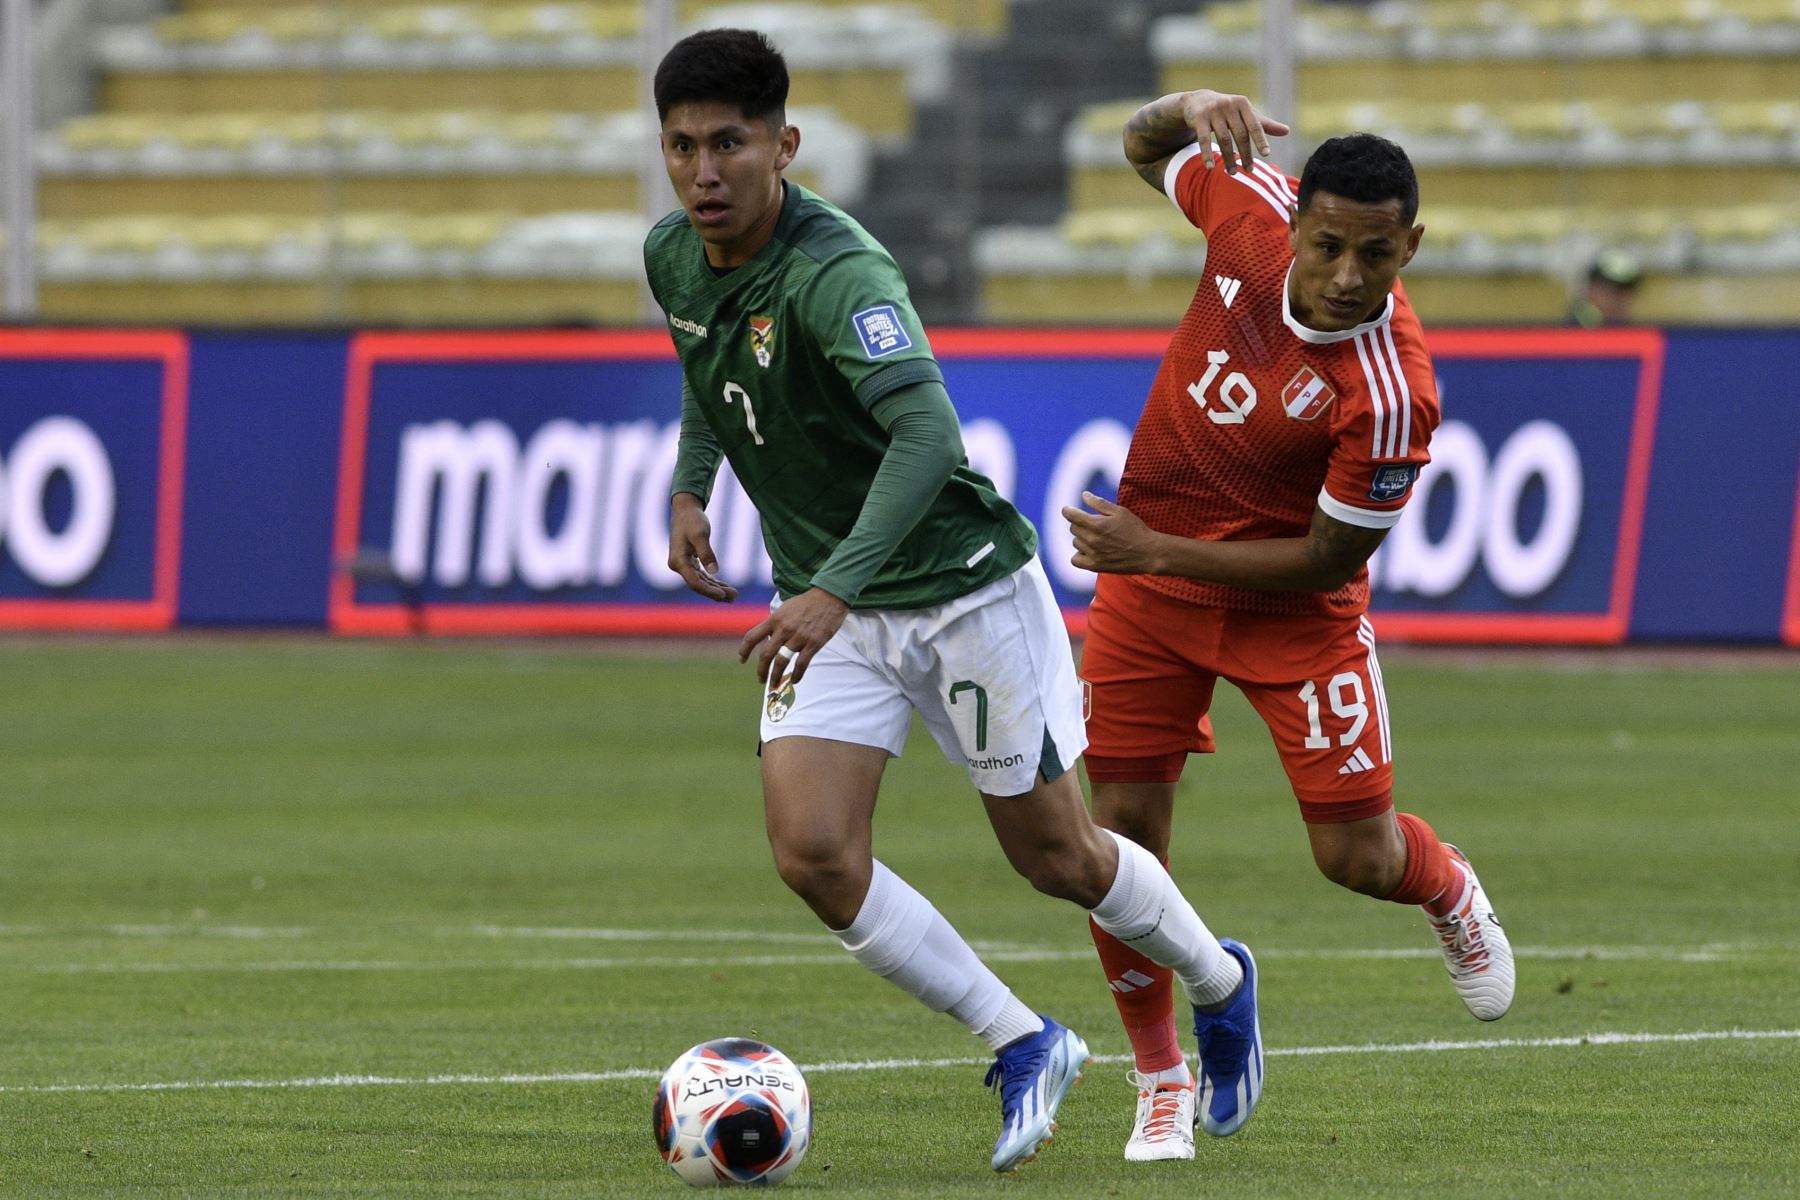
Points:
(1476, 952)
(1164, 1129)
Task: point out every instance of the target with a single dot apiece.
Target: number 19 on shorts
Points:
(1349, 703)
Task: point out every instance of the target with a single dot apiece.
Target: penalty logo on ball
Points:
(733, 1111)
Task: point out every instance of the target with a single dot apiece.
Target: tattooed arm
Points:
(1159, 130)
(1112, 540)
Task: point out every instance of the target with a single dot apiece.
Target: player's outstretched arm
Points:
(1162, 128)
(1112, 540)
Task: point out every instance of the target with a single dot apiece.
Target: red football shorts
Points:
(1150, 663)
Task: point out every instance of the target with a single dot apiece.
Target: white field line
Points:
(894, 1064)
(558, 933)
(998, 951)
(837, 958)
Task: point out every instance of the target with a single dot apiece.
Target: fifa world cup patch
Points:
(881, 332)
(1391, 483)
(1306, 395)
(762, 339)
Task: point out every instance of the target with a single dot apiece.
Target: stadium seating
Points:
(260, 140)
(1543, 131)
(280, 162)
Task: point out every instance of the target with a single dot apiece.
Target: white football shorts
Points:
(991, 673)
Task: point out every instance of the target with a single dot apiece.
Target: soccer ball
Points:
(732, 1111)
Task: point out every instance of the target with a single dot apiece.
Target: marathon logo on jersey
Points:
(881, 332)
(762, 339)
(1391, 483)
(1306, 395)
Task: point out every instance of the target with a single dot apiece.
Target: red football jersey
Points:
(1255, 419)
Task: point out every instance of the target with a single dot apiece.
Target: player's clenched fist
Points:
(1110, 540)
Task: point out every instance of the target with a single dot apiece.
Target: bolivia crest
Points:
(762, 339)
(780, 698)
(1306, 395)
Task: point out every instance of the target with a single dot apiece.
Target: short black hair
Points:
(1364, 167)
(740, 67)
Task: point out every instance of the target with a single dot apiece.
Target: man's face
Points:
(1347, 255)
(726, 171)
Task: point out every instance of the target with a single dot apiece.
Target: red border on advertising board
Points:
(1611, 627)
(347, 615)
(1790, 617)
(159, 609)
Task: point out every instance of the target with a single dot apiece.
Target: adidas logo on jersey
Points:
(1228, 288)
(1359, 762)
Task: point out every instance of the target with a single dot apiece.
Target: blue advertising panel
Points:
(1527, 524)
(1586, 486)
(261, 477)
(91, 444)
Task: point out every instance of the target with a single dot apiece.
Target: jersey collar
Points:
(1319, 337)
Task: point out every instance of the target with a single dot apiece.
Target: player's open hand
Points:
(793, 634)
(1241, 132)
(690, 549)
(1110, 540)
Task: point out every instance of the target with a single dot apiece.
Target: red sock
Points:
(1432, 876)
(1145, 995)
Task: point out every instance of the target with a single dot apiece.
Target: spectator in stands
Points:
(1608, 291)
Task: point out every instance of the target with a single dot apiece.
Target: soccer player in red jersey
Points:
(1290, 417)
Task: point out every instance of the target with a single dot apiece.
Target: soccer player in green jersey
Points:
(906, 584)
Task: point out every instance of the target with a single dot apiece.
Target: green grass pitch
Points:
(313, 918)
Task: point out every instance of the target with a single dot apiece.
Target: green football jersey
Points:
(786, 355)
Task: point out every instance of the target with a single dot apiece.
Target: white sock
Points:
(899, 935)
(1145, 910)
(1178, 1073)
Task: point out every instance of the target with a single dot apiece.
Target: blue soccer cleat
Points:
(1231, 1055)
(1033, 1075)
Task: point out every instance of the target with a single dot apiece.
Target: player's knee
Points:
(1066, 870)
(818, 873)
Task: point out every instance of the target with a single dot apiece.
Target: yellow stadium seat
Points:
(238, 231)
(1556, 16)
(136, 234)
(1762, 12)
(1741, 222)
(1123, 227)
(468, 231)
(1109, 118)
(1776, 118)
(111, 131)
(609, 22)
(1543, 119)
(363, 230)
(302, 24)
(1525, 224)
(1234, 16)
(221, 25)
(1672, 14)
